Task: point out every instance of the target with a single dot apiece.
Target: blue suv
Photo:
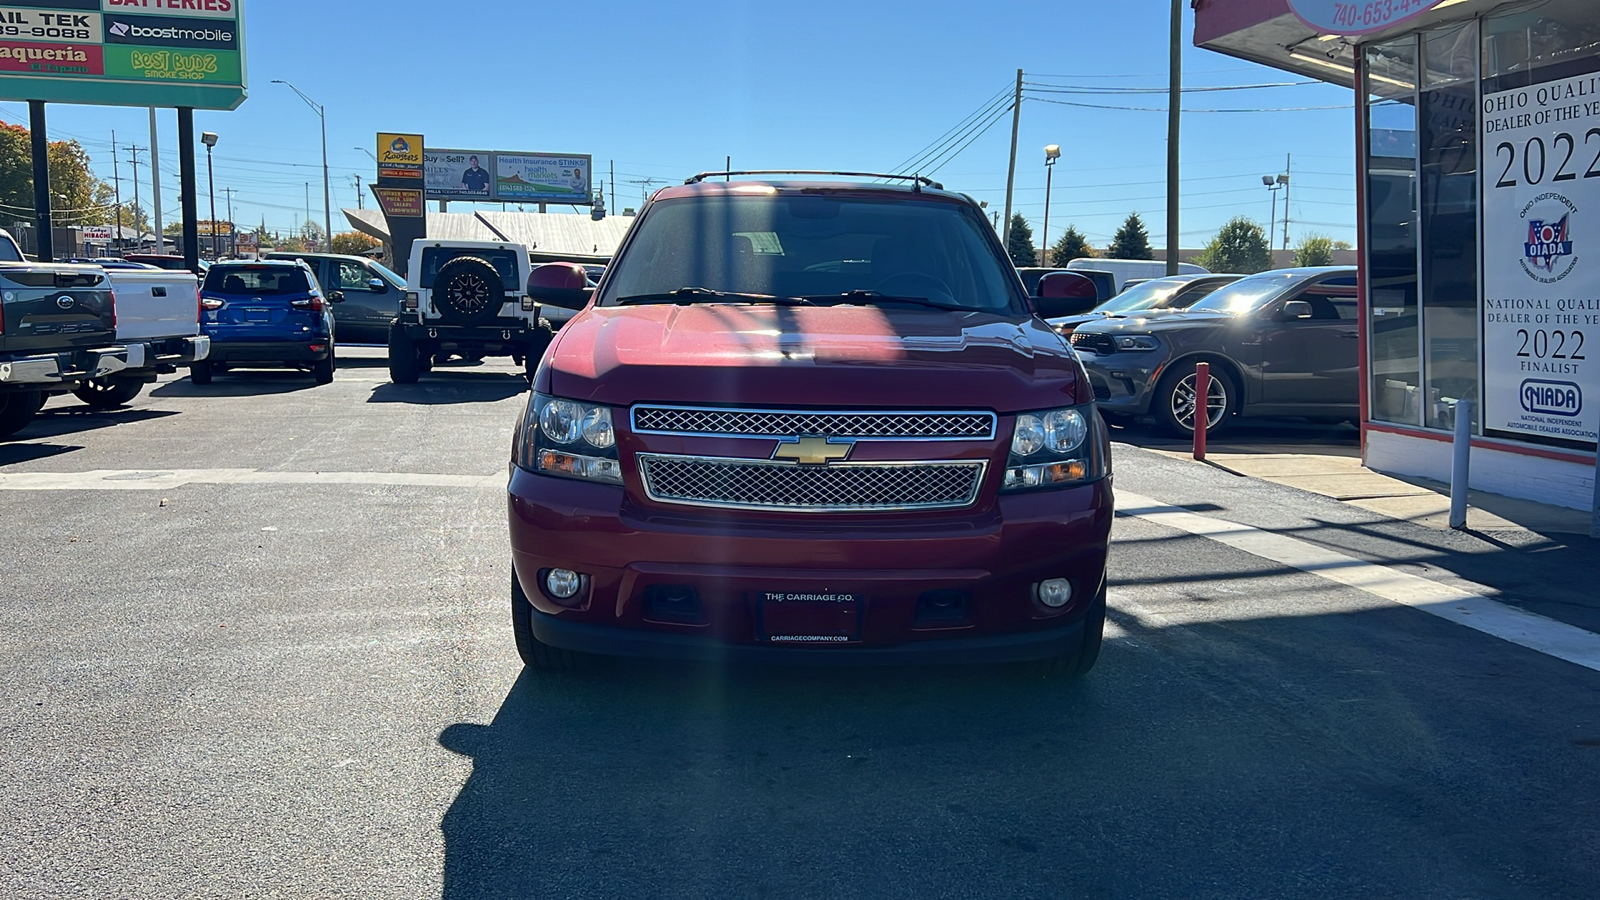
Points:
(266, 314)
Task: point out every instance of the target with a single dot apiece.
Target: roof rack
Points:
(916, 180)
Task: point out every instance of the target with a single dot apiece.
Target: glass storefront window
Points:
(1392, 297)
(1540, 41)
(1448, 149)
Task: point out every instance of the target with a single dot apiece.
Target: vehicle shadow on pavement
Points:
(452, 387)
(1308, 756)
(75, 418)
(240, 384)
(11, 454)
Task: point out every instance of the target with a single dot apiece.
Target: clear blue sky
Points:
(666, 90)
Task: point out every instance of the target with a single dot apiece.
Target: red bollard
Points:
(1202, 408)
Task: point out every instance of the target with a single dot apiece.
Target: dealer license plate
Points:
(799, 617)
(258, 315)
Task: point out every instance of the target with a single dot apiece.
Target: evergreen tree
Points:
(1131, 240)
(1072, 245)
(1020, 245)
(1240, 247)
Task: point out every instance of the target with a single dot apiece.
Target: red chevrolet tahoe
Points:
(809, 422)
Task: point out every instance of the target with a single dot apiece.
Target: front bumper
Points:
(897, 566)
(296, 352)
(68, 367)
(1124, 382)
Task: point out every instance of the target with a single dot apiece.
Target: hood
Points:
(859, 356)
(1147, 321)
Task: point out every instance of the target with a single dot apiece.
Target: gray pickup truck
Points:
(57, 330)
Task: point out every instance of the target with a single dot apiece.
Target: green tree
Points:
(353, 243)
(1020, 245)
(78, 193)
(1314, 250)
(1072, 245)
(1240, 247)
(1342, 245)
(1131, 241)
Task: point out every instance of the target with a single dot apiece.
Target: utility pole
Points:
(360, 201)
(155, 184)
(137, 231)
(308, 207)
(613, 184)
(116, 180)
(1011, 171)
(1174, 116)
(1288, 165)
(233, 240)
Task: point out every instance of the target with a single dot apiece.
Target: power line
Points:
(1048, 88)
(1162, 109)
(997, 105)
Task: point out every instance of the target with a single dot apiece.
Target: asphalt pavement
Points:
(258, 646)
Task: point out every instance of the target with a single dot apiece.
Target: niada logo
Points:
(1547, 254)
(1554, 398)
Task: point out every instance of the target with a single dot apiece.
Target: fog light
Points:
(1054, 592)
(563, 583)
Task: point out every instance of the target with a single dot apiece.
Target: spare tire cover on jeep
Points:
(468, 291)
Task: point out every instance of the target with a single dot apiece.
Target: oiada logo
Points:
(1551, 398)
(1547, 250)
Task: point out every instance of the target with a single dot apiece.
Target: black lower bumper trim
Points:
(615, 641)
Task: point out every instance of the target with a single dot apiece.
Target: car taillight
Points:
(210, 303)
(199, 304)
(113, 296)
(312, 303)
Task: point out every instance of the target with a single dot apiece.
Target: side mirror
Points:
(1065, 294)
(378, 286)
(336, 296)
(560, 284)
(1294, 309)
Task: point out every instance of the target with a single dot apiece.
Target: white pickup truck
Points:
(158, 320)
(157, 315)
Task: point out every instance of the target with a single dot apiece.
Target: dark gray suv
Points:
(1280, 343)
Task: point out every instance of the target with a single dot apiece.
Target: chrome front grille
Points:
(791, 487)
(859, 425)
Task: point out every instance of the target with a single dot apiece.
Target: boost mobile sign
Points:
(1540, 177)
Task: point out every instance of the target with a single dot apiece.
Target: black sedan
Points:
(1281, 343)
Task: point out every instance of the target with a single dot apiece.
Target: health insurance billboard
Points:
(1541, 260)
(123, 52)
(504, 177)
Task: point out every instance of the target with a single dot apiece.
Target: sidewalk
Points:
(1418, 500)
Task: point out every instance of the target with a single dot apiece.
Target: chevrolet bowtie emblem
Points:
(811, 451)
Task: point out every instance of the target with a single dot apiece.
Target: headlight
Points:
(568, 439)
(1056, 448)
(1138, 342)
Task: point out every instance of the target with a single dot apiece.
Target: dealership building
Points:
(1478, 203)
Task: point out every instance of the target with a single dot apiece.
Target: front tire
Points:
(17, 409)
(403, 368)
(107, 393)
(200, 372)
(536, 654)
(1174, 403)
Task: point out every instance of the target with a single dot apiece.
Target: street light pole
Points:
(209, 138)
(1051, 154)
(327, 190)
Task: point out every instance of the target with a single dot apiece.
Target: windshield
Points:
(816, 247)
(1148, 295)
(8, 250)
(1248, 294)
(259, 280)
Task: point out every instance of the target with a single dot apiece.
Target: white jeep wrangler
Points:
(469, 298)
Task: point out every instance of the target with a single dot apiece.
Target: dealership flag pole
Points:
(155, 183)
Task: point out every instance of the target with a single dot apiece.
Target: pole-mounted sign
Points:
(399, 191)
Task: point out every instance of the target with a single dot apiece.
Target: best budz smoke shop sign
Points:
(123, 52)
(1541, 260)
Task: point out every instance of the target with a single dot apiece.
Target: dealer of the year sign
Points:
(1541, 259)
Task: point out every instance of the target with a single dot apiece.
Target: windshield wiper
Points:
(870, 296)
(687, 295)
